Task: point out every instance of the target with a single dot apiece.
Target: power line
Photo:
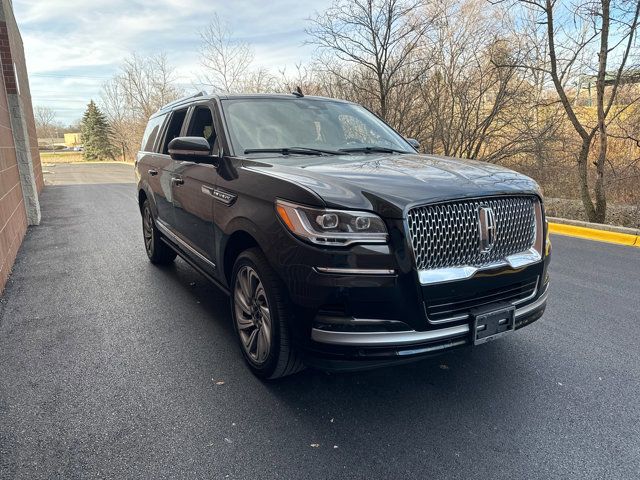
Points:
(61, 99)
(62, 75)
(66, 75)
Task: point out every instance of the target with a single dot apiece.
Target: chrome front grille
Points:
(448, 234)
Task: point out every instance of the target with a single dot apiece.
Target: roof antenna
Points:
(298, 92)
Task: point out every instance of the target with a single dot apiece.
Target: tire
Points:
(261, 314)
(158, 252)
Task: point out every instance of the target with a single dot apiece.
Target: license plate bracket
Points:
(490, 324)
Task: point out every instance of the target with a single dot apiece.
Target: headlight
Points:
(331, 227)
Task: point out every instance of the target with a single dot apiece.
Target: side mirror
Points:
(413, 142)
(192, 149)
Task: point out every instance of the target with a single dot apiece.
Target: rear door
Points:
(192, 191)
(151, 165)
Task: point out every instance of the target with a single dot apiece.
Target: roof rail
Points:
(183, 100)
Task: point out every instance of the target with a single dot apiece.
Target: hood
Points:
(390, 184)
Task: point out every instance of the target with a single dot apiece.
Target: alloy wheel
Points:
(252, 314)
(147, 228)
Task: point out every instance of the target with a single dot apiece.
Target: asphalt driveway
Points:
(111, 367)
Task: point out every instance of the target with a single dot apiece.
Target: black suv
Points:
(341, 247)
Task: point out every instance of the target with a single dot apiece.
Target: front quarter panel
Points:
(253, 209)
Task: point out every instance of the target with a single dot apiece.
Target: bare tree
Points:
(472, 103)
(46, 123)
(228, 63)
(143, 85)
(597, 36)
(146, 83)
(381, 39)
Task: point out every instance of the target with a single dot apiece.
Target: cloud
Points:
(73, 47)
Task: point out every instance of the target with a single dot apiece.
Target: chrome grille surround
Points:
(447, 235)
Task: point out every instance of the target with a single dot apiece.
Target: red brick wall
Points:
(14, 79)
(13, 218)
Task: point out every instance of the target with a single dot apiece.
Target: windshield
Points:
(299, 123)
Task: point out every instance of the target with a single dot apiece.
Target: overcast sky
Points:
(74, 46)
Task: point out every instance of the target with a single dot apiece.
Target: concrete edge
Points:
(82, 162)
(595, 231)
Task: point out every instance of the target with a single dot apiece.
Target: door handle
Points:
(152, 172)
(177, 181)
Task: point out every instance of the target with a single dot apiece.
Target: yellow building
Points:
(72, 139)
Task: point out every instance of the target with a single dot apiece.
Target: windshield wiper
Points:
(373, 149)
(294, 151)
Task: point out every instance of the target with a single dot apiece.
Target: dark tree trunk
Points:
(600, 211)
(583, 171)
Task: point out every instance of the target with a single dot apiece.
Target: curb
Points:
(595, 231)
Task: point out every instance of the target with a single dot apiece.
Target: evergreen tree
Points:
(96, 134)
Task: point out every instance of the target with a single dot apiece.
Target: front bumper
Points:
(351, 351)
(400, 339)
(365, 306)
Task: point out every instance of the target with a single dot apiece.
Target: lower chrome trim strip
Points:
(378, 339)
(448, 320)
(386, 338)
(441, 275)
(520, 312)
(356, 271)
(174, 238)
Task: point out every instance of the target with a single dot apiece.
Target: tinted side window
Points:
(201, 125)
(174, 128)
(151, 133)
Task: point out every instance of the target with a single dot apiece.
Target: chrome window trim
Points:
(356, 271)
(166, 231)
(442, 275)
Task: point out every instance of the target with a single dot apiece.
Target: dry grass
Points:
(67, 157)
(61, 157)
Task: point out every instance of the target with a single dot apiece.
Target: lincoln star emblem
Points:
(487, 228)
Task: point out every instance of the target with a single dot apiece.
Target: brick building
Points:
(20, 170)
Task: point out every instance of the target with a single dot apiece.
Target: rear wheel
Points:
(261, 315)
(158, 252)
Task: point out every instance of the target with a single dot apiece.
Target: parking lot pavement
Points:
(114, 368)
(87, 173)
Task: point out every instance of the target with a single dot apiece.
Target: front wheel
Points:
(261, 315)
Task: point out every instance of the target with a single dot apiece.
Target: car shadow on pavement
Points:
(470, 378)
(436, 402)
(457, 407)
